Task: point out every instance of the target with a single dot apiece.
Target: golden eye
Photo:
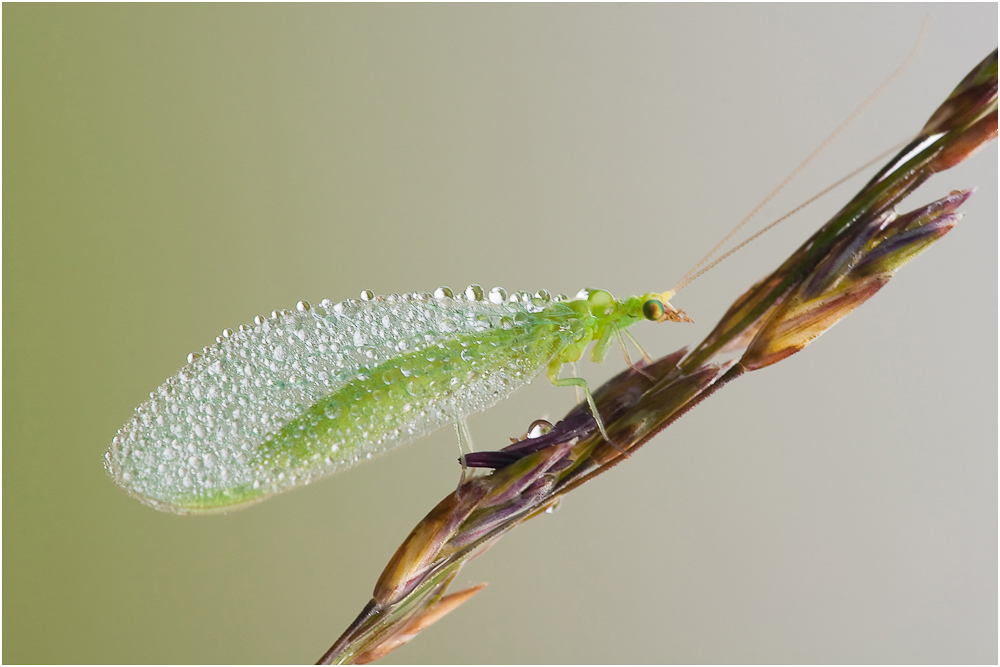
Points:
(652, 310)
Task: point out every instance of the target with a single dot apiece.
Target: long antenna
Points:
(696, 269)
(875, 160)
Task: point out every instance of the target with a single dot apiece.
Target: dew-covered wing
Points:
(309, 392)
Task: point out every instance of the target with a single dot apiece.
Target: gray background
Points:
(173, 170)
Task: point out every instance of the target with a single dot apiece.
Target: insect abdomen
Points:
(408, 397)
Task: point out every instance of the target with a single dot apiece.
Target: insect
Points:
(306, 393)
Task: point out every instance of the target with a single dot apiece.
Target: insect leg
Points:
(603, 343)
(464, 446)
(582, 384)
(621, 333)
(576, 373)
(637, 346)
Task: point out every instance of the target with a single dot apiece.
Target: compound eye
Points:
(653, 310)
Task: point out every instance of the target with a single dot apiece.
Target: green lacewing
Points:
(305, 393)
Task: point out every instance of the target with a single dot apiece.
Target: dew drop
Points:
(538, 428)
(443, 293)
(474, 293)
(302, 306)
(226, 333)
(498, 295)
(193, 357)
(367, 295)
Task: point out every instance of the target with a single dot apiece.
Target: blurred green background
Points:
(170, 171)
